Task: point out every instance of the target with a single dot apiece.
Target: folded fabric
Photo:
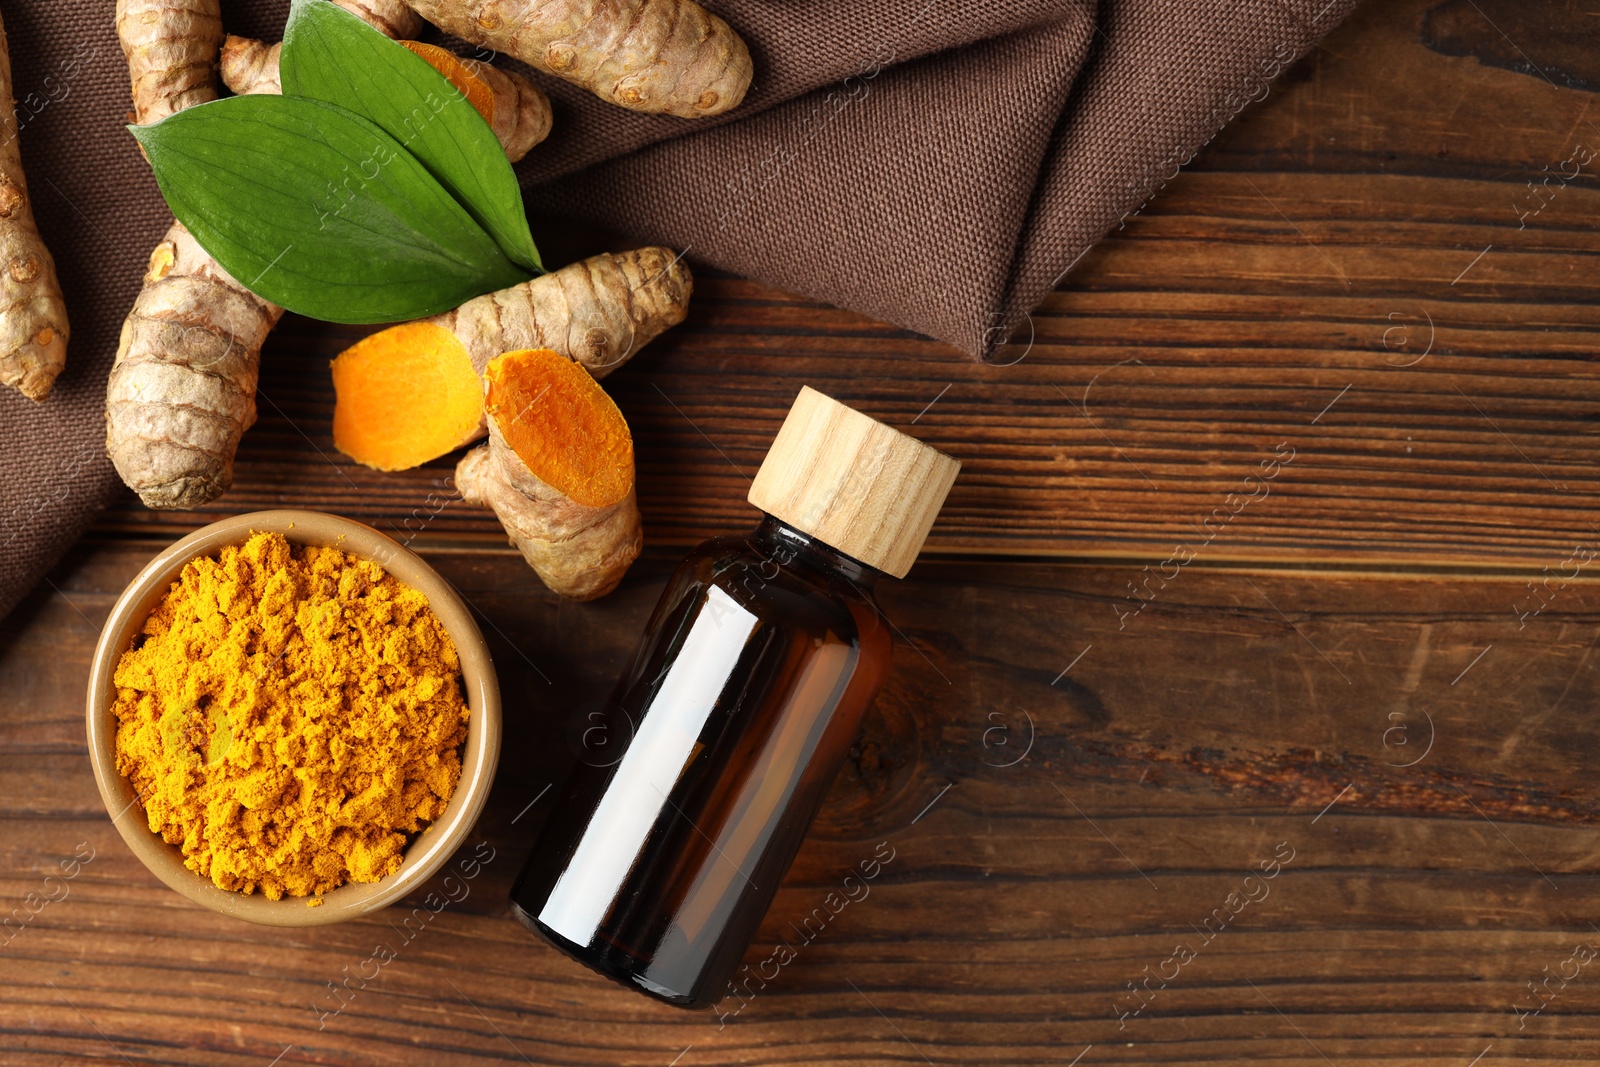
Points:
(931, 163)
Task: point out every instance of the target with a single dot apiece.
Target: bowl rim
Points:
(423, 856)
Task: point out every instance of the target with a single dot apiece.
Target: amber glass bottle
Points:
(728, 728)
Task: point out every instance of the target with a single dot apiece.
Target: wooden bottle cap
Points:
(853, 483)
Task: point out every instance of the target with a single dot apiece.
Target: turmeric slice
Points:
(516, 110)
(665, 57)
(395, 370)
(391, 410)
(557, 471)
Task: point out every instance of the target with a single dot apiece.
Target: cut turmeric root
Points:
(412, 393)
(515, 108)
(33, 318)
(669, 57)
(557, 471)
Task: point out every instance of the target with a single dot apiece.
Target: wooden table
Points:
(1131, 685)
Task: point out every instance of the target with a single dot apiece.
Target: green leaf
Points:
(315, 208)
(330, 54)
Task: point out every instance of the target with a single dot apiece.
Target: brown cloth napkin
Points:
(932, 163)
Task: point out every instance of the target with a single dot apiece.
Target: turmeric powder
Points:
(291, 715)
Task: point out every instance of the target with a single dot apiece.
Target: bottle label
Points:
(638, 796)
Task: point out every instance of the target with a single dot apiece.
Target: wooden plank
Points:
(1423, 745)
(1358, 267)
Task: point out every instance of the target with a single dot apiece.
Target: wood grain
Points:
(1369, 295)
(1066, 801)
(1345, 269)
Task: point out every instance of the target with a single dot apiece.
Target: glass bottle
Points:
(742, 700)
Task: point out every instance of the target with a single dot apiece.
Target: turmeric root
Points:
(413, 392)
(182, 390)
(171, 47)
(183, 387)
(515, 108)
(250, 67)
(393, 17)
(33, 319)
(557, 471)
(668, 57)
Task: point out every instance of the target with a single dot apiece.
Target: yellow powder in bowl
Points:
(290, 717)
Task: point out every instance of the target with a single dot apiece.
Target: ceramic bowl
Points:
(431, 848)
